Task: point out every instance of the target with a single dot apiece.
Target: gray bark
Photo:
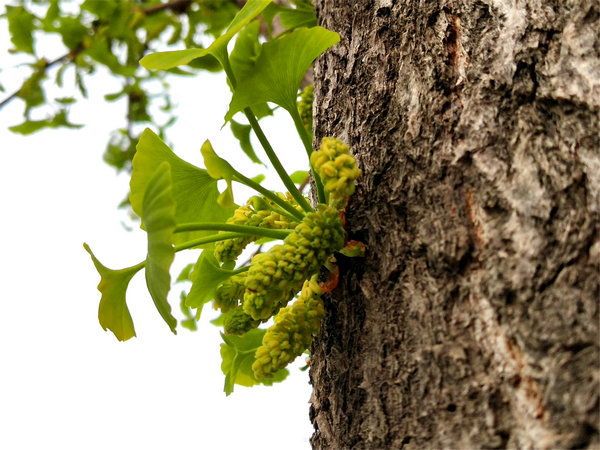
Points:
(473, 321)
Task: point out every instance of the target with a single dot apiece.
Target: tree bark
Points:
(473, 321)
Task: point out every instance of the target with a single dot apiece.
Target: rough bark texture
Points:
(473, 321)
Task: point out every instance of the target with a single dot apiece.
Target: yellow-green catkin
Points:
(305, 106)
(257, 214)
(292, 332)
(238, 322)
(337, 169)
(276, 276)
(230, 292)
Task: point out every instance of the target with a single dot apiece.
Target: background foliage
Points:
(109, 35)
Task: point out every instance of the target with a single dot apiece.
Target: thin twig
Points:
(177, 6)
(72, 55)
(249, 260)
(304, 183)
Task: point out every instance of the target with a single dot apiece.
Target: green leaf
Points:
(113, 313)
(21, 26)
(220, 321)
(101, 52)
(190, 320)
(206, 277)
(258, 178)
(72, 31)
(80, 83)
(246, 51)
(280, 68)
(299, 176)
(296, 18)
(114, 96)
(158, 214)
(31, 126)
(102, 10)
(31, 91)
(242, 133)
(184, 275)
(206, 62)
(269, 14)
(219, 169)
(243, 58)
(168, 60)
(194, 190)
(65, 100)
(52, 13)
(237, 353)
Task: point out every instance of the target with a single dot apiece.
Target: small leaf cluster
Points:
(181, 208)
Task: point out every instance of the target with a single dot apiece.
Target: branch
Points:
(70, 55)
(177, 6)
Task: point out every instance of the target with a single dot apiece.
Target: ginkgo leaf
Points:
(168, 60)
(299, 176)
(237, 353)
(280, 68)
(113, 313)
(246, 50)
(194, 191)
(190, 318)
(158, 214)
(242, 133)
(184, 275)
(206, 277)
(299, 17)
(243, 57)
(219, 169)
(20, 27)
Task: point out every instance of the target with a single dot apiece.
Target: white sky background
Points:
(64, 382)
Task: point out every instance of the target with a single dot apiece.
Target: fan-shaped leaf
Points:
(190, 318)
(280, 68)
(168, 60)
(206, 277)
(219, 169)
(20, 26)
(299, 176)
(158, 214)
(237, 353)
(113, 313)
(242, 133)
(194, 190)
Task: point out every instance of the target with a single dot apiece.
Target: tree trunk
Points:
(473, 320)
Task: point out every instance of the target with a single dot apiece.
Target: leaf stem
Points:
(241, 229)
(296, 215)
(283, 175)
(240, 270)
(287, 181)
(307, 141)
(207, 240)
